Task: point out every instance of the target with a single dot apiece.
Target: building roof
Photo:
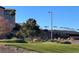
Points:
(10, 9)
(6, 8)
(2, 7)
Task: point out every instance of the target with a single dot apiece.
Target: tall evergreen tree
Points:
(30, 28)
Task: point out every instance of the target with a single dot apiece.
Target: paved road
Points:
(11, 49)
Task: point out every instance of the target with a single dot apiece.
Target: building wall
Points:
(7, 20)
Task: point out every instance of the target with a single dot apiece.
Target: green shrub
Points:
(20, 41)
(66, 42)
(12, 41)
(58, 41)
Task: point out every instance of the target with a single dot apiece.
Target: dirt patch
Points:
(12, 49)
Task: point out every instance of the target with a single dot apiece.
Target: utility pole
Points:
(51, 13)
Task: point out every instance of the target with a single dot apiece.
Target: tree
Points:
(30, 28)
(16, 32)
(17, 27)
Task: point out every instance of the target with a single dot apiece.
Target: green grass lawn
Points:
(47, 47)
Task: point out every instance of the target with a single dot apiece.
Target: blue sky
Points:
(64, 16)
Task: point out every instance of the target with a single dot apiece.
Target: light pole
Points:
(50, 12)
